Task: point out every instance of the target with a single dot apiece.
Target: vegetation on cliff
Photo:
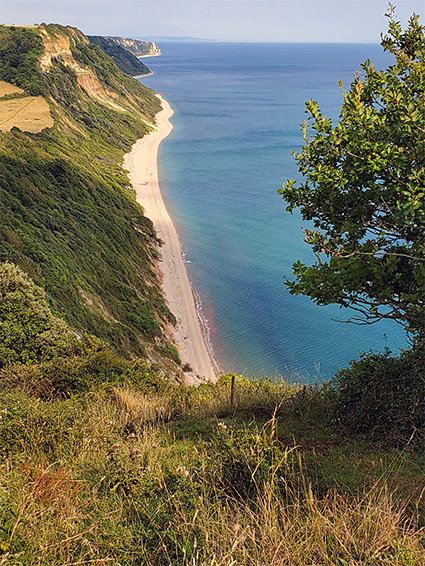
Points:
(68, 217)
(124, 59)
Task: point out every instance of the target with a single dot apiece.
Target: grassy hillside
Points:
(137, 471)
(68, 217)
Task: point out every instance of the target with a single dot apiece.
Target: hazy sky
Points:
(245, 20)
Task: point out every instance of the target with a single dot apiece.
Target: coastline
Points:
(188, 334)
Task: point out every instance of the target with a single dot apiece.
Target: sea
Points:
(238, 109)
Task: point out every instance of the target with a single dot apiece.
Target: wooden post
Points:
(232, 390)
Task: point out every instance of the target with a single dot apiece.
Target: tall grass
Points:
(298, 529)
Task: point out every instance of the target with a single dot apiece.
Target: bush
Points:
(383, 396)
(94, 369)
(28, 331)
(20, 49)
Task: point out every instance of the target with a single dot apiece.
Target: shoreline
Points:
(148, 55)
(143, 76)
(188, 333)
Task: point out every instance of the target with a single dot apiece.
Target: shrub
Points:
(94, 369)
(28, 330)
(242, 459)
(383, 396)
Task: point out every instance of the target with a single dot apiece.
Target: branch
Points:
(368, 319)
(347, 256)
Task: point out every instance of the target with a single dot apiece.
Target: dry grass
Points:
(7, 88)
(286, 523)
(137, 410)
(298, 529)
(29, 114)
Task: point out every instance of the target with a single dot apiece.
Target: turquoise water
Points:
(238, 108)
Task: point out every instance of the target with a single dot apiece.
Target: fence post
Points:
(232, 390)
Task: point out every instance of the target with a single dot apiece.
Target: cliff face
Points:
(57, 46)
(138, 47)
(95, 73)
(67, 217)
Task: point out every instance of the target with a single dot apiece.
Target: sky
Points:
(350, 21)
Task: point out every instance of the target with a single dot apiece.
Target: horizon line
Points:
(194, 39)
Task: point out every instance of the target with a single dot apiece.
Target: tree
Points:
(28, 331)
(363, 189)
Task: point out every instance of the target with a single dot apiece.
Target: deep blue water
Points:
(238, 110)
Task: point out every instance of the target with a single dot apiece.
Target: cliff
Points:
(137, 47)
(68, 218)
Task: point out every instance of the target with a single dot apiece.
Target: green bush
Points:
(383, 397)
(20, 49)
(96, 369)
(28, 330)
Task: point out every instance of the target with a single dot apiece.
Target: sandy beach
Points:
(142, 164)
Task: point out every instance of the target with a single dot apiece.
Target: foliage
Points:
(20, 49)
(41, 355)
(364, 191)
(54, 223)
(95, 367)
(28, 330)
(245, 457)
(106, 477)
(383, 397)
